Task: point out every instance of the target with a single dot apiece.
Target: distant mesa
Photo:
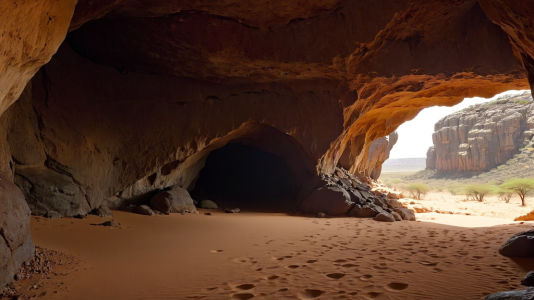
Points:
(483, 136)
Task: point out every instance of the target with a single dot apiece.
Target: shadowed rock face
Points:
(483, 136)
(142, 90)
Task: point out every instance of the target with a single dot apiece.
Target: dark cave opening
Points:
(246, 177)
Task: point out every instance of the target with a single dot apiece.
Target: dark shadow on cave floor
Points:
(243, 176)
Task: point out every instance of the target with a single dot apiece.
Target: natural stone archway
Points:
(263, 140)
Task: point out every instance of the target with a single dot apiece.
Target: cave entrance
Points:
(247, 177)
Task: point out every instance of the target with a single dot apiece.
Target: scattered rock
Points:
(80, 216)
(232, 211)
(143, 210)
(384, 217)
(208, 204)
(103, 211)
(321, 215)
(53, 214)
(512, 295)
(207, 214)
(356, 197)
(519, 245)
(174, 200)
(396, 216)
(405, 213)
(421, 209)
(365, 211)
(529, 279)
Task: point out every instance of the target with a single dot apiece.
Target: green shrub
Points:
(439, 188)
(520, 186)
(417, 190)
(478, 191)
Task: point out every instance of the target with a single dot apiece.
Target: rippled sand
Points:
(275, 256)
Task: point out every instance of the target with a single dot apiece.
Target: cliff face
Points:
(141, 92)
(482, 136)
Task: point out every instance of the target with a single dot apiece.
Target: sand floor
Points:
(490, 207)
(276, 256)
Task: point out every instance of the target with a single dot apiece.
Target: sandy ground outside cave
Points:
(490, 207)
(276, 256)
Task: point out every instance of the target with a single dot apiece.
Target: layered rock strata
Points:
(482, 136)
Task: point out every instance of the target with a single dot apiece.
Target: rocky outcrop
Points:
(16, 246)
(482, 136)
(519, 245)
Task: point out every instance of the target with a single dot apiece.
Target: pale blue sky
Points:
(415, 136)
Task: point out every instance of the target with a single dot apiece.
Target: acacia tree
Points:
(478, 191)
(417, 190)
(504, 195)
(521, 186)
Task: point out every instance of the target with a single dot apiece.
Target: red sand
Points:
(275, 256)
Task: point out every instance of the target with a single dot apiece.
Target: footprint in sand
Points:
(336, 275)
(293, 266)
(311, 261)
(310, 294)
(273, 277)
(396, 286)
(428, 264)
(372, 295)
(366, 277)
(350, 266)
(216, 251)
(245, 287)
(243, 296)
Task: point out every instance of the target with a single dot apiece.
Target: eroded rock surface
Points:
(482, 136)
(143, 90)
(16, 246)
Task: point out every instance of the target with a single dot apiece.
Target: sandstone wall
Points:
(481, 137)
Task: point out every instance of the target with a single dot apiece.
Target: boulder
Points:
(143, 210)
(53, 214)
(512, 295)
(174, 200)
(528, 280)
(356, 197)
(519, 245)
(16, 246)
(346, 183)
(405, 213)
(330, 200)
(46, 189)
(208, 204)
(384, 217)
(103, 211)
(393, 203)
(396, 216)
(365, 211)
